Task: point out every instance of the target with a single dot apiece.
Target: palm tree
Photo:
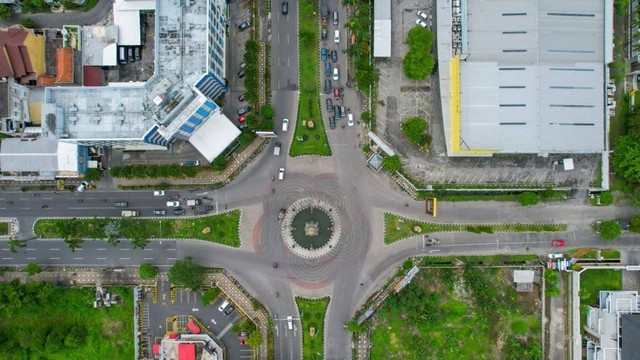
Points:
(14, 244)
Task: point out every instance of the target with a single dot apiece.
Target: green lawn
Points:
(308, 141)
(4, 228)
(221, 229)
(398, 228)
(435, 261)
(592, 282)
(40, 326)
(471, 313)
(586, 253)
(312, 314)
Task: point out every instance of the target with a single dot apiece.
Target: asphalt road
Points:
(57, 20)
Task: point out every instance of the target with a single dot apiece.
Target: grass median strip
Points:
(312, 314)
(309, 140)
(4, 228)
(398, 228)
(221, 228)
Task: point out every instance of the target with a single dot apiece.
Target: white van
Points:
(336, 36)
(285, 125)
(290, 322)
(224, 305)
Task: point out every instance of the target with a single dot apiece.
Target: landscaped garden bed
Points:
(222, 228)
(312, 314)
(398, 228)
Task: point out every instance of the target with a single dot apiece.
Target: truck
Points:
(325, 13)
(276, 149)
(193, 202)
(130, 213)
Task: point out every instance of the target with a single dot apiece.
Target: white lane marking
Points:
(31, 258)
(125, 249)
(78, 258)
(31, 249)
(54, 249)
(54, 258)
(7, 258)
(101, 258)
(101, 249)
(148, 258)
(171, 249)
(171, 258)
(125, 258)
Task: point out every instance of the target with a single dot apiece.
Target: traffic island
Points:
(311, 228)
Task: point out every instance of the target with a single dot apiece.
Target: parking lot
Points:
(183, 302)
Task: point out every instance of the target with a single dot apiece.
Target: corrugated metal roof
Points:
(29, 155)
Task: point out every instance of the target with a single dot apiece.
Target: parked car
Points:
(82, 187)
(334, 55)
(242, 118)
(228, 310)
(159, 212)
(243, 110)
(327, 86)
(285, 125)
(241, 97)
(285, 7)
(173, 203)
(336, 111)
(422, 15)
(158, 193)
(136, 53)
(329, 105)
(281, 174)
(242, 64)
(350, 121)
(240, 74)
(323, 33)
(336, 94)
(335, 18)
(191, 163)
(336, 74)
(557, 243)
(244, 26)
(336, 36)
(332, 122)
(323, 54)
(421, 23)
(121, 204)
(343, 111)
(179, 211)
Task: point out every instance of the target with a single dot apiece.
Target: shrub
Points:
(28, 23)
(93, 175)
(392, 164)
(147, 271)
(414, 129)
(528, 198)
(610, 230)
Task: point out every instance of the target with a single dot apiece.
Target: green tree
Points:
(365, 117)
(414, 129)
(610, 230)
(33, 269)
(551, 283)
(93, 175)
(186, 273)
(209, 296)
(391, 164)
(28, 23)
(634, 225)
(219, 163)
(112, 231)
(528, 198)
(267, 112)
(354, 327)
(417, 65)
(5, 12)
(74, 242)
(147, 271)
(14, 244)
(254, 339)
(626, 158)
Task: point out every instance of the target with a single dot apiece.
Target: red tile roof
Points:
(92, 76)
(12, 57)
(64, 64)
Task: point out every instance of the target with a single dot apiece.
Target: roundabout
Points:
(311, 228)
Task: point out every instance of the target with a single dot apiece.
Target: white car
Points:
(421, 23)
(336, 36)
(336, 74)
(83, 186)
(281, 174)
(285, 124)
(422, 15)
(158, 193)
(173, 203)
(350, 119)
(290, 322)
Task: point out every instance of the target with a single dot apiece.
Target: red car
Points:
(557, 243)
(336, 94)
(242, 118)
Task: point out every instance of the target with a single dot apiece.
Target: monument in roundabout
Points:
(311, 228)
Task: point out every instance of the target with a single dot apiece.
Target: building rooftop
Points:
(64, 63)
(521, 76)
(382, 28)
(99, 45)
(630, 325)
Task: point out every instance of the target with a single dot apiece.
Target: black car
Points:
(324, 33)
(332, 122)
(244, 26)
(334, 55)
(243, 110)
(327, 86)
(160, 212)
(241, 74)
(228, 310)
(179, 211)
(329, 105)
(285, 7)
(336, 111)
